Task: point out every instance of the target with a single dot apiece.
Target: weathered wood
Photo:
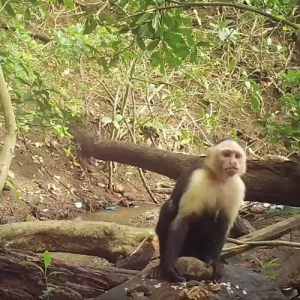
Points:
(104, 239)
(140, 258)
(76, 282)
(273, 231)
(110, 240)
(272, 181)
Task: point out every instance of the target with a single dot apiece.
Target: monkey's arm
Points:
(214, 258)
(176, 238)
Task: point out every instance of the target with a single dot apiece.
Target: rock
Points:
(237, 283)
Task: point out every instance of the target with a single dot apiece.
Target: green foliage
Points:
(47, 81)
(47, 263)
(288, 130)
(269, 266)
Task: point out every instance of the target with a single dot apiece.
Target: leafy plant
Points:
(288, 130)
(269, 266)
(47, 263)
(172, 44)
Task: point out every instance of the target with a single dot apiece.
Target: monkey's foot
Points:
(174, 275)
(218, 268)
(171, 274)
(155, 273)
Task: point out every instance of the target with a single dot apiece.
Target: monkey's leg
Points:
(215, 258)
(166, 216)
(176, 238)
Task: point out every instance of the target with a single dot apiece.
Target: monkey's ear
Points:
(243, 167)
(210, 157)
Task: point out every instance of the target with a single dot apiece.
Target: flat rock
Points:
(237, 283)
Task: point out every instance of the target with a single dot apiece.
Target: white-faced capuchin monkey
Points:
(197, 218)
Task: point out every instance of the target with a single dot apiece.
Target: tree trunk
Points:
(21, 282)
(11, 131)
(266, 181)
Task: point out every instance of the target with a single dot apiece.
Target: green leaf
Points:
(143, 31)
(28, 96)
(156, 59)
(274, 140)
(69, 3)
(143, 18)
(27, 14)
(231, 65)
(90, 25)
(32, 264)
(55, 273)
(47, 259)
(22, 80)
(182, 52)
(194, 55)
(10, 10)
(106, 120)
(124, 29)
(174, 40)
(141, 43)
(116, 124)
(48, 290)
(118, 118)
(168, 20)
(106, 18)
(102, 62)
(203, 44)
(255, 103)
(156, 23)
(152, 45)
(172, 60)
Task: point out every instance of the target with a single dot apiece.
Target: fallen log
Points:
(103, 239)
(22, 282)
(271, 232)
(272, 181)
(76, 282)
(110, 240)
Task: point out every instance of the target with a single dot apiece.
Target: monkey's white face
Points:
(226, 159)
(230, 161)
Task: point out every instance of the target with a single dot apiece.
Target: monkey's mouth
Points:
(232, 170)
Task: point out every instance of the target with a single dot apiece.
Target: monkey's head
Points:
(226, 159)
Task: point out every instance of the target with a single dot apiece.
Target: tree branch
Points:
(235, 5)
(11, 128)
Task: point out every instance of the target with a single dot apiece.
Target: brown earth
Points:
(49, 184)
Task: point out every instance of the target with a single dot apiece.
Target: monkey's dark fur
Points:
(201, 236)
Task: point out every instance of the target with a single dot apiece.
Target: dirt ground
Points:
(47, 185)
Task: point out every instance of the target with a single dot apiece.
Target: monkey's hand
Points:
(218, 268)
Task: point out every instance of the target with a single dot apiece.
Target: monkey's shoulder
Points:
(183, 182)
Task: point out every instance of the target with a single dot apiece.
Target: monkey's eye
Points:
(226, 153)
(237, 155)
